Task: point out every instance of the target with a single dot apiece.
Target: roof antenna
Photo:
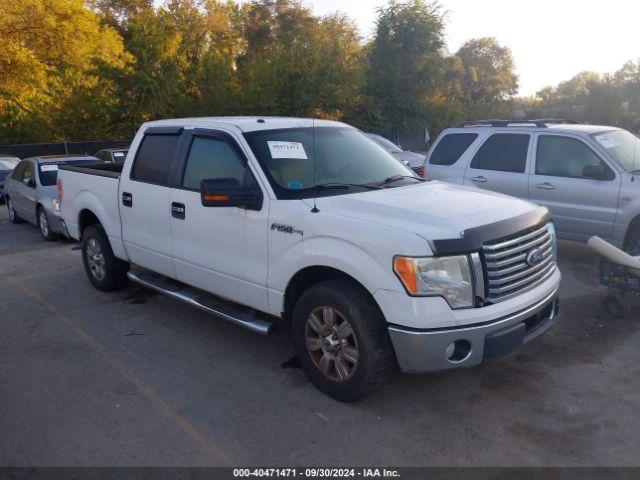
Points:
(313, 152)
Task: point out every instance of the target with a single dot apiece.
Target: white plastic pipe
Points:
(612, 253)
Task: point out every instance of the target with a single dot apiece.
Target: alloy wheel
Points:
(12, 212)
(44, 224)
(95, 260)
(331, 343)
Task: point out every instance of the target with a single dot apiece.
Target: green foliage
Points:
(97, 70)
(53, 59)
(300, 64)
(406, 62)
(610, 99)
(481, 78)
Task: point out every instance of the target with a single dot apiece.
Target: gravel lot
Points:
(136, 379)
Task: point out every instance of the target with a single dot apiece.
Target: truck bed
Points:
(112, 170)
(92, 188)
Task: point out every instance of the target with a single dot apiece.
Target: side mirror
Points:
(29, 182)
(596, 172)
(228, 192)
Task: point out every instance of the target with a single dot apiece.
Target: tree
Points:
(406, 62)
(481, 77)
(116, 13)
(186, 54)
(53, 55)
(299, 64)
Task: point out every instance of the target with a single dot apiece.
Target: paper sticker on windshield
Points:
(607, 141)
(287, 150)
(48, 168)
(118, 154)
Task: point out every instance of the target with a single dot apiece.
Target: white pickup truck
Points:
(311, 225)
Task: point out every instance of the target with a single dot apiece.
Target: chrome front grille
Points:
(517, 263)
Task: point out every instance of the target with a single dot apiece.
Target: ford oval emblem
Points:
(534, 257)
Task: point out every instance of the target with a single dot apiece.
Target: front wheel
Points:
(105, 271)
(341, 339)
(45, 228)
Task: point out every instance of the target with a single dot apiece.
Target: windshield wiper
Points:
(395, 178)
(326, 186)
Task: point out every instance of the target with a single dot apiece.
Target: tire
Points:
(632, 245)
(13, 216)
(614, 306)
(44, 226)
(106, 272)
(325, 348)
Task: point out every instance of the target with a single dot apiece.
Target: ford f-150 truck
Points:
(310, 224)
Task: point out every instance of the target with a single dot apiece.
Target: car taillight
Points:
(59, 186)
(419, 170)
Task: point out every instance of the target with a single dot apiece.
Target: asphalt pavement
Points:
(136, 379)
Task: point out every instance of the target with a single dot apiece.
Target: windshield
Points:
(343, 155)
(120, 155)
(388, 145)
(8, 163)
(48, 172)
(622, 146)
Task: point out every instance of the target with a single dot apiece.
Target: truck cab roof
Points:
(247, 124)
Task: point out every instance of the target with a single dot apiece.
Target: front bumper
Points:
(421, 351)
(56, 224)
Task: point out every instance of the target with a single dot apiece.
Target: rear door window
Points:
(451, 147)
(503, 152)
(18, 172)
(29, 172)
(153, 160)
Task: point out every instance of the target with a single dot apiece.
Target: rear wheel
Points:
(341, 340)
(614, 306)
(13, 216)
(105, 271)
(45, 228)
(632, 245)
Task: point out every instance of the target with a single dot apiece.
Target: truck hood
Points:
(432, 210)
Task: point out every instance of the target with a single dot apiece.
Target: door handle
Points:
(545, 186)
(127, 199)
(177, 210)
(479, 179)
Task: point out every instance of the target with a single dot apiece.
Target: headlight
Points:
(554, 238)
(55, 205)
(447, 277)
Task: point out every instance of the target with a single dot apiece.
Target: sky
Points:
(551, 40)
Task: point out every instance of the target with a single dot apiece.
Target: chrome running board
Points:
(242, 316)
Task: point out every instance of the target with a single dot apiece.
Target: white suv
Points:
(586, 175)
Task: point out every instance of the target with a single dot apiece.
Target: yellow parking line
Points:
(185, 425)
